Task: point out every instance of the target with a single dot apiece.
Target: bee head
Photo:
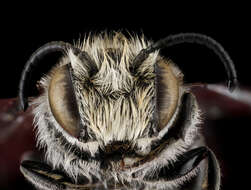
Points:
(114, 95)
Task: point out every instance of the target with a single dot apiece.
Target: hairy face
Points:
(105, 121)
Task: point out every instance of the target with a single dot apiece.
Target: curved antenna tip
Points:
(232, 84)
(22, 105)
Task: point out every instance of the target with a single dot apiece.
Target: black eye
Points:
(63, 101)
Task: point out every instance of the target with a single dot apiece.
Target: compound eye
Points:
(62, 101)
(168, 84)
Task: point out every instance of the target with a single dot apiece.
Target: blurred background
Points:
(227, 119)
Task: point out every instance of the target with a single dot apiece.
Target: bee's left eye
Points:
(168, 83)
(63, 101)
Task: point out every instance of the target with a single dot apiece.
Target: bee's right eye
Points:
(63, 101)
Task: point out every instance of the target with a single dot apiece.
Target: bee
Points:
(115, 114)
